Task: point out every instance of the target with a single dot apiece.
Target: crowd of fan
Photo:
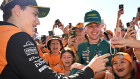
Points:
(79, 44)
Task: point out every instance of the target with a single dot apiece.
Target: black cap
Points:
(43, 11)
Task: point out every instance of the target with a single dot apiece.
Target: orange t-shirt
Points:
(65, 43)
(40, 52)
(51, 59)
(59, 68)
(46, 50)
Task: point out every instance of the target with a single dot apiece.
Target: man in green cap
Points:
(95, 45)
(19, 57)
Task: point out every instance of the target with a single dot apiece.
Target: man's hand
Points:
(77, 66)
(131, 33)
(117, 42)
(98, 63)
(120, 12)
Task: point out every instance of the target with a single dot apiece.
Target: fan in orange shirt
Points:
(68, 58)
(55, 46)
(77, 37)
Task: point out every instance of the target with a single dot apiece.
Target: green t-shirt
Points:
(102, 48)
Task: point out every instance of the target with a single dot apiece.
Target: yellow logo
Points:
(92, 14)
(6, 2)
(99, 51)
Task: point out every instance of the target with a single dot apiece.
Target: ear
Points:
(86, 30)
(17, 10)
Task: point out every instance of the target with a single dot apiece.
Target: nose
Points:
(119, 65)
(94, 28)
(67, 58)
(37, 22)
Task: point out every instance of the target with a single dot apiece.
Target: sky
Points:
(73, 11)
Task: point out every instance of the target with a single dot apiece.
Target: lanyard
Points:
(114, 52)
(96, 50)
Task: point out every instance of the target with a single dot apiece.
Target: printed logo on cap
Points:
(91, 14)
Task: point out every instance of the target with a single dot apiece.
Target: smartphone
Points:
(128, 24)
(58, 23)
(50, 33)
(73, 33)
(43, 39)
(139, 9)
(133, 18)
(121, 6)
(70, 25)
(123, 29)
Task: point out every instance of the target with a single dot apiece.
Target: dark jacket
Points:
(19, 57)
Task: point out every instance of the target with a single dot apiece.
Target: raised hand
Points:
(99, 63)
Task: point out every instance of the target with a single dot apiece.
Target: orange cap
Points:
(110, 32)
(122, 55)
(80, 25)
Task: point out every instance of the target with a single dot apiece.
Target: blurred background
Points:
(73, 11)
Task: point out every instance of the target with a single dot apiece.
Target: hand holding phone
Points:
(129, 27)
(73, 33)
(58, 23)
(128, 24)
(50, 33)
(121, 8)
(43, 39)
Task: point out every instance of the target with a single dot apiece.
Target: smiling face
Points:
(29, 19)
(93, 30)
(55, 46)
(79, 33)
(67, 59)
(122, 67)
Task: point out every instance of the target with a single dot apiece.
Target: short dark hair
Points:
(69, 51)
(8, 13)
(49, 43)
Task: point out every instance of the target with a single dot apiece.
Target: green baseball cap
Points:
(43, 11)
(92, 16)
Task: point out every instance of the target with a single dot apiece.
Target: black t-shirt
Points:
(24, 62)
